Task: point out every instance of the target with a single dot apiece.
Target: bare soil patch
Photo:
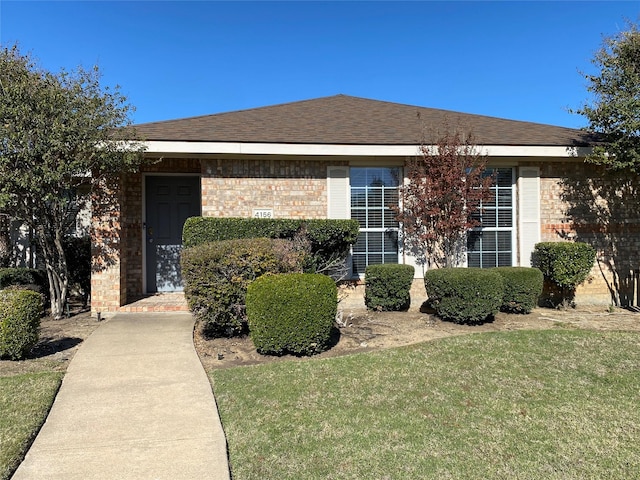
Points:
(366, 331)
(59, 341)
(361, 331)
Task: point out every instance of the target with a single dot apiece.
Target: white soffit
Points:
(168, 147)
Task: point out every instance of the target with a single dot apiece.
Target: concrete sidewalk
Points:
(135, 404)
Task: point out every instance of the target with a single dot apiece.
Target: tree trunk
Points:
(6, 248)
(58, 291)
(56, 267)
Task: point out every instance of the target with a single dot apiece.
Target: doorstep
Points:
(157, 302)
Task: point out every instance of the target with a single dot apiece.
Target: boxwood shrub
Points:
(32, 278)
(565, 265)
(328, 240)
(20, 312)
(216, 276)
(464, 295)
(387, 287)
(522, 288)
(292, 313)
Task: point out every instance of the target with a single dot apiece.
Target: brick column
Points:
(108, 291)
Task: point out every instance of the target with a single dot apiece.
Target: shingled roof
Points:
(347, 120)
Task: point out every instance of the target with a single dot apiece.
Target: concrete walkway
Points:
(135, 404)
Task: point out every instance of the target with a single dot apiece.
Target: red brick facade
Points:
(577, 201)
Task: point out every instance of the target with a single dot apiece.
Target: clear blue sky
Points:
(517, 60)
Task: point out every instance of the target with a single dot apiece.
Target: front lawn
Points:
(553, 404)
(25, 401)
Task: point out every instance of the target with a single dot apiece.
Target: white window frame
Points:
(381, 230)
(512, 229)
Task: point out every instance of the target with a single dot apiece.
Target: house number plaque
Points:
(263, 213)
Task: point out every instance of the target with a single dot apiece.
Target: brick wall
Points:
(106, 247)
(118, 236)
(292, 188)
(582, 202)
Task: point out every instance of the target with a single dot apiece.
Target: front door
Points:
(169, 202)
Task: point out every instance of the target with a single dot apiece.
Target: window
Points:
(491, 244)
(373, 191)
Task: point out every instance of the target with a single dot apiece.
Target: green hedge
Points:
(20, 312)
(464, 295)
(522, 288)
(200, 230)
(216, 276)
(328, 240)
(24, 276)
(565, 265)
(387, 287)
(291, 313)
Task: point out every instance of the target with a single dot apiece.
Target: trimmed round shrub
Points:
(20, 312)
(464, 295)
(565, 265)
(387, 287)
(292, 313)
(522, 288)
(216, 276)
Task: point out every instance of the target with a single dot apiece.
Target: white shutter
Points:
(339, 200)
(528, 212)
(338, 197)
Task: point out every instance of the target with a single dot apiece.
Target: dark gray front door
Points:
(169, 202)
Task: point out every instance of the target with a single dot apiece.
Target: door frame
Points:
(143, 226)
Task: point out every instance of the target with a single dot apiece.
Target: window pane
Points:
(361, 216)
(358, 177)
(505, 218)
(489, 260)
(504, 259)
(374, 198)
(504, 241)
(359, 263)
(391, 241)
(491, 202)
(390, 197)
(391, 258)
(373, 192)
(504, 197)
(358, 197)
(361, 244)
(374, 242)
(390, 219)
(473, 241)
(491, 248)
(503, 177)
(489, 218)
(374, 259)
(489, 241)
(375, 219)
(473, 260)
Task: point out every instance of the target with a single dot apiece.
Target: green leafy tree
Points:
(614, 112)
(604, 207)
(59, 133)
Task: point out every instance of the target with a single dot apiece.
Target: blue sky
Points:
(517, 60)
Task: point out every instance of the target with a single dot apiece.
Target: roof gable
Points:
(347, 120)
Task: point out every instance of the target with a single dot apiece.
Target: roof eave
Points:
(159, 147)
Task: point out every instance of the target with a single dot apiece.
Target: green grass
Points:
(25, 401)
(515, 405)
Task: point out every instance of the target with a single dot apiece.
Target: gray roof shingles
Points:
(347, 120)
